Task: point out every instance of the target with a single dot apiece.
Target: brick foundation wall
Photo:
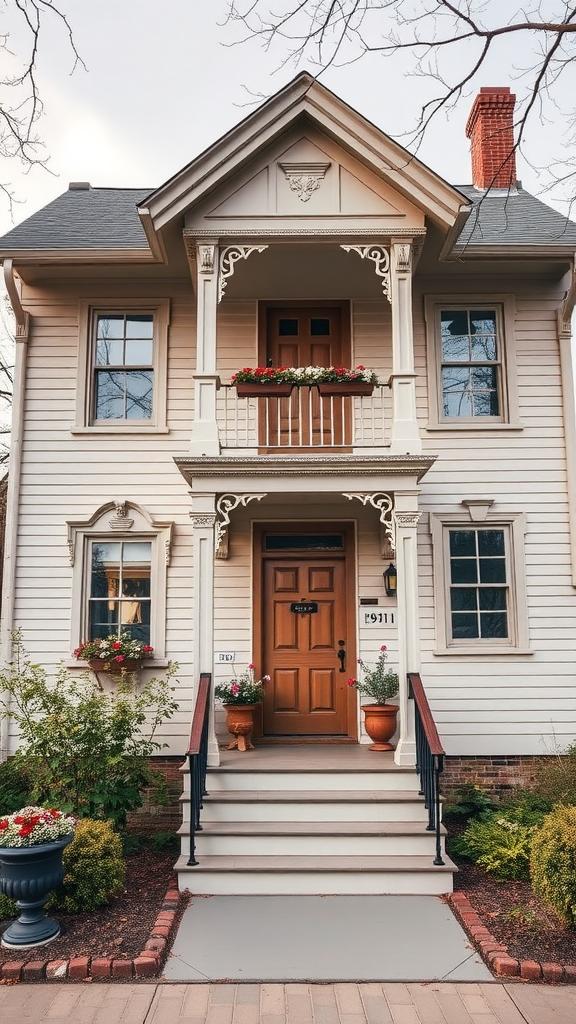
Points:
(154, 817)
(496, 775)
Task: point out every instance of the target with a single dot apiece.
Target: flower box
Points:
(343, 389)
(115, 668)
(268, 389)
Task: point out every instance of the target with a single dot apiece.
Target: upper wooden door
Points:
(308, 692)
(306, 336)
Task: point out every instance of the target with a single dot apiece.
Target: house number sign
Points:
(304, 607)
(377, 617)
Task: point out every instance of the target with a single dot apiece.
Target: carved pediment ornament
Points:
(224, 506)
(206, 257)
(229, 257)
(403, 253)
(384, 505)
(304, 178)
(120, 520)
(380, 257)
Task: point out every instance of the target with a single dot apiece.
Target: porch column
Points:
(406, 516)
(205, 440)
(203, 517)
(405, 434)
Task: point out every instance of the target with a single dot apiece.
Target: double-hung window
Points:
(119, 602)
(123, 366)
(471, 363)
(122, 359)
(479, 582)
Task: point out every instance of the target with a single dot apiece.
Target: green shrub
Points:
(467, 802)
(7, 907)
(166, 841)
(14, 786)
(556, 777)
(85, 750)
(94, 868)
(553, 862)
(500, 843)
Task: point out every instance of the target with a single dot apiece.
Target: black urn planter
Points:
(28, 874)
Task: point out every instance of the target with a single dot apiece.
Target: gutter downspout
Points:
(565, 312)
(14, 472)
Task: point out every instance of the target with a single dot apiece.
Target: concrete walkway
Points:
(321, 939)
(440, 1003)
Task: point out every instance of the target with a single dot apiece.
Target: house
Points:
(147, 494)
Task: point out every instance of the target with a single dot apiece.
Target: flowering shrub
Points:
(303, 375)
(501, 843)
(244, 690)
(34, 825)
(113, 648)
(376, 683)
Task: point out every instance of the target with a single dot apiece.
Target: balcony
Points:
(306, 421)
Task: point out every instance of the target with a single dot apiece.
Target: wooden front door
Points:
(306, 652)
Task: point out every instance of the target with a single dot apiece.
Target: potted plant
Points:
(240, 696)
(380, 684)
(114, 654)
(31, 845)
(278, 381)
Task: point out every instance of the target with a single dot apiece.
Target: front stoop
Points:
(311, 821)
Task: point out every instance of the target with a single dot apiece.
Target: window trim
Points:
(87, 317)
(104, 526)
(505, 307)
(514, 525)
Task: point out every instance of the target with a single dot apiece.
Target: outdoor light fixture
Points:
(390, 581)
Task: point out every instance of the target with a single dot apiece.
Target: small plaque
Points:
(304, 607)
(225, 657)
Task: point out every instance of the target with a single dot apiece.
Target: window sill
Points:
(443, 652)
(120, 430)
(471, 425)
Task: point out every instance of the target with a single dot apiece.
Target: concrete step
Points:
(319, 838)
(305, 876)
(390, 776)
(298, 805)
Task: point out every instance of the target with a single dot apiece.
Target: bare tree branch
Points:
(449, 42)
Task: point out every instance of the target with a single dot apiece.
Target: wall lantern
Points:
(390, 581)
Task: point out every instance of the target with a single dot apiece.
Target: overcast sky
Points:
(163, 81)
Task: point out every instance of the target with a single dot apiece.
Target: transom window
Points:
(123, 366)
(471, 363)
(120, 593)
(478, 584)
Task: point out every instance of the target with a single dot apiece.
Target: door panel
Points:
(307, 693)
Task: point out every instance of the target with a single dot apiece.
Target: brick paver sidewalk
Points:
(415, 1003)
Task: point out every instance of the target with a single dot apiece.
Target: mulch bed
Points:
(517, 934)
(126, 939)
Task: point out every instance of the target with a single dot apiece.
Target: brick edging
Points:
(496, 955)
(83, 968)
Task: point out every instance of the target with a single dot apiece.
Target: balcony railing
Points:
(306, 420)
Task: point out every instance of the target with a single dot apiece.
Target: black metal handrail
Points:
(198, 759)
(429, 758)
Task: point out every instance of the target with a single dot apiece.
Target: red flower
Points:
(117, 645)
(3, 824)
(119, 657)
(351, 682)
(147, 648)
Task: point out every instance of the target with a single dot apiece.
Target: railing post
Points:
(429, 759)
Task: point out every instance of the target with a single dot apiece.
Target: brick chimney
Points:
(490, 126)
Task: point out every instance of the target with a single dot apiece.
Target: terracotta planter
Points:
(343, 389)
(28, 874)
(115, 668)
(240, 722)
(263, 390)
(380, 723)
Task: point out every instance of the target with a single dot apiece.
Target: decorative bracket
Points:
(380, 257)
(304, 178)
(383, 504)
(229, 257)
(224, 506)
